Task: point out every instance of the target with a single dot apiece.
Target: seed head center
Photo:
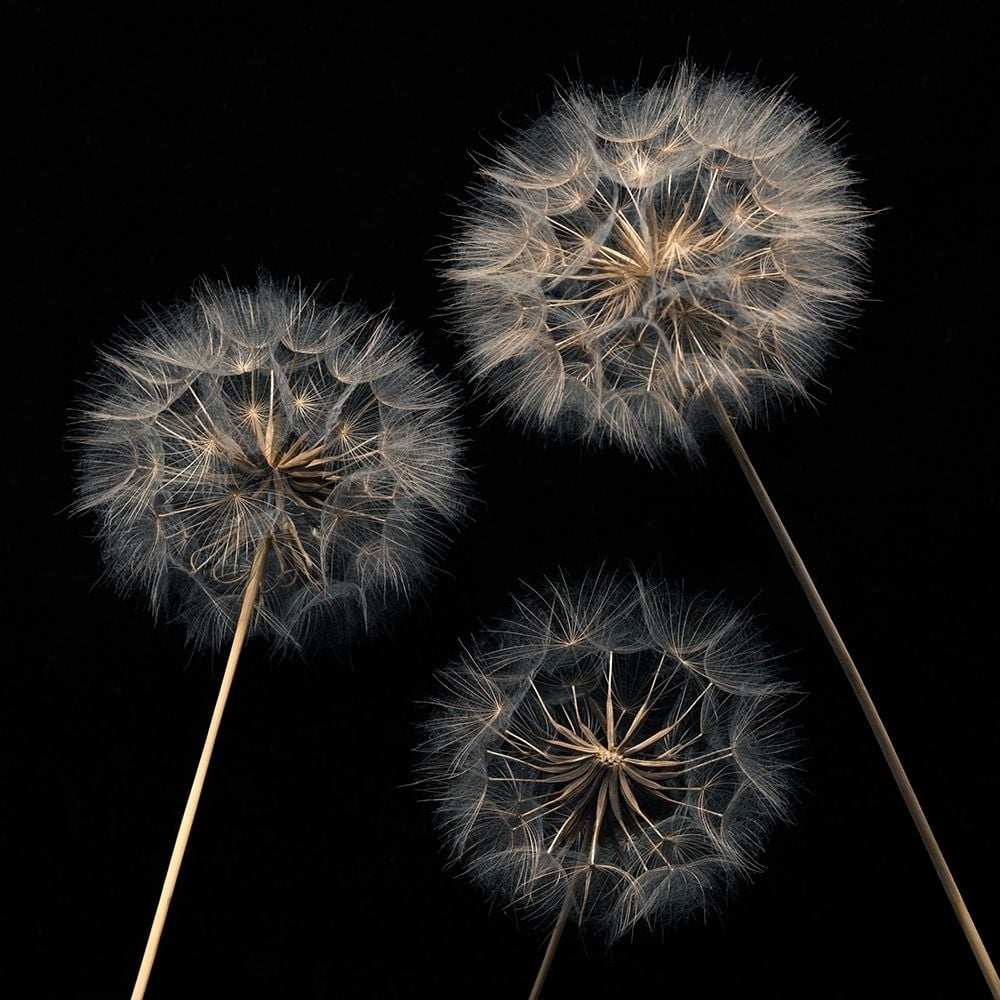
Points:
(609, 758)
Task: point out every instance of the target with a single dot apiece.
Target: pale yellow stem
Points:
(864, 698)
(550, 951)
(187, 820)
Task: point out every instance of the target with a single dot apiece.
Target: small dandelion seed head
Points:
(628, 255)
(251, 417)
(638, 783)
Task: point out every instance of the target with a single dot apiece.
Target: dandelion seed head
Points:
(641, 784)
(257, 416)
(629, 254)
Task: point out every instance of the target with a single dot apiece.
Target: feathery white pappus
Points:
(249, 417)
(615, 744)
(628, 254)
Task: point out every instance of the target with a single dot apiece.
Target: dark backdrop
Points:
(146, 147)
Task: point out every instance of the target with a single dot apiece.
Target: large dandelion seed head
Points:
(628, 255)
(257, 417)
(615, 743)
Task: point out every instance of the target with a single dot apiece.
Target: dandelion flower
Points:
(642, 268)
(614, 751)
(259, 463)
(258, 419)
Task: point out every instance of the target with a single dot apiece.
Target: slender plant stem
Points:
(861, 693)
(187, 820)
(557, 931)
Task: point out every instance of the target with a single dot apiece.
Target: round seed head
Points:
(615, 743)
(258, 417)
(630, 254)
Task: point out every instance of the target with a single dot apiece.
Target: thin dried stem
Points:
(187, 820)
(864, 698)
(554, 938)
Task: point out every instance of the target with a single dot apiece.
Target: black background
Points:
(151, 146)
